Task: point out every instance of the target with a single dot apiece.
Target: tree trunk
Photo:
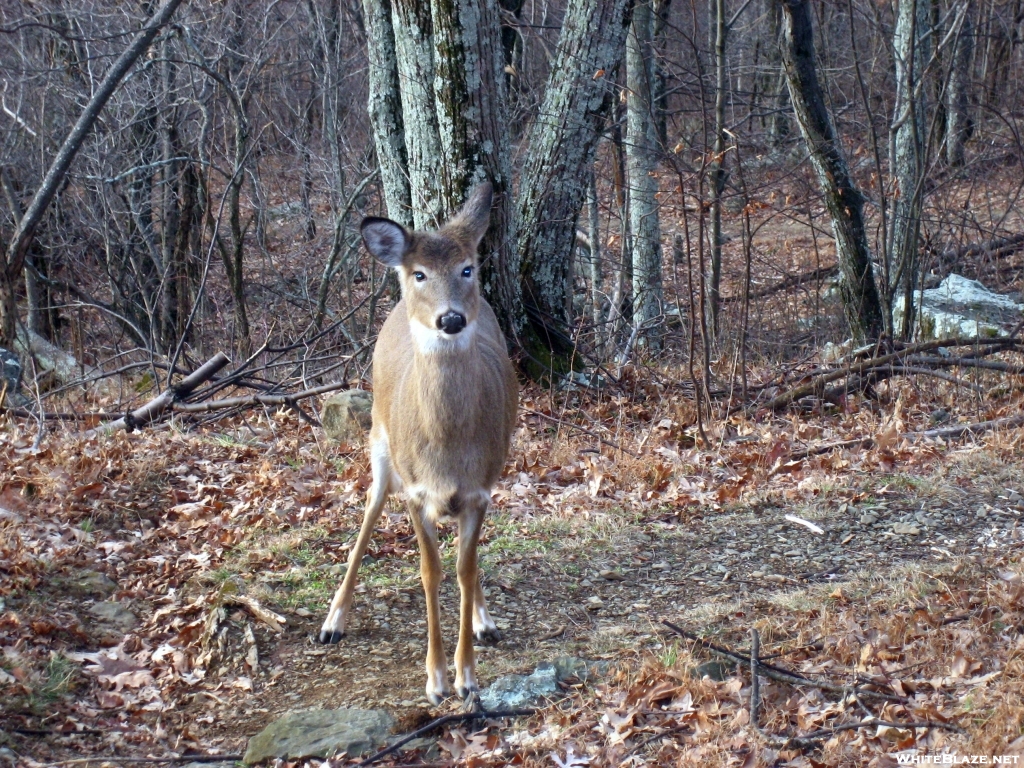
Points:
(554, 177)
(642, 145)
(714, 277)
(385, 109)
(414, 50)
(470, 97)
(596, 268)
(778, 123)
(857, 288)
(911, 39)
(958, 119)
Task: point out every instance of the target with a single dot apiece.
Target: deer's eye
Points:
(420, 277)
(467, 272)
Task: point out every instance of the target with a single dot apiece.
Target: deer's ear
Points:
(471, 222)
(386, 240)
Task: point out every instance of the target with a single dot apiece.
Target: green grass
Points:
(59, 673)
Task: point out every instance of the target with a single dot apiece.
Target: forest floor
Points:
(174, 550)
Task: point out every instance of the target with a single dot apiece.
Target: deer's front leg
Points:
(430, 573)
(473, 614)
(333, 628)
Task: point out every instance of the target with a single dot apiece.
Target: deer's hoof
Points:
(329, 637)
(487, 636)
(471, 702)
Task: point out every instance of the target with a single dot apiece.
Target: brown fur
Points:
(443, 414)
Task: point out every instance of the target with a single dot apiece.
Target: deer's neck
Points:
(447, 385)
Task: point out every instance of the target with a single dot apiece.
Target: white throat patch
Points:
(430, 341)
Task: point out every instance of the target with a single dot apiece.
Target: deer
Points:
(444, 409)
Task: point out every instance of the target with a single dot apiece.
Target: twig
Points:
(819, 381)
(177, 759)
(778, 674)
(251, 400)
(437, 723)
(594, 435)
(951, 433)
(825, 733)
(755, 684)
(920, 371)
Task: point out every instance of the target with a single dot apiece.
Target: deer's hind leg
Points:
(333, 628)
(473, 617)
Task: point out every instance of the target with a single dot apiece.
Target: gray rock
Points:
(10, 371)
(115, 614)
(716, 670)
(90, 583)
(514, 691)
(960, 307)
(346, 415)
(321, 733)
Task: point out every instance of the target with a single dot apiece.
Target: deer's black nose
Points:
(451, 322)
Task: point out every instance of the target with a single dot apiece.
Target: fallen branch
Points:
(254, 400)
(437, 723)
(952, 433)
(945, 433)
(818, 382)
(156, 407)
(968, 362)
(792, 281)
(176, 759)
(778, 674)
(913, 370)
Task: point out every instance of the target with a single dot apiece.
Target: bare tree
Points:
(842, 197)
(641, 153)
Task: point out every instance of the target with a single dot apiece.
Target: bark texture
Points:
(554, 177)
(958, 119)
(859, 294)
(641, 159)
(385, 108)
(414, 49)
(911, 41)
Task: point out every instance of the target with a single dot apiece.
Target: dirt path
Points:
(567, 573)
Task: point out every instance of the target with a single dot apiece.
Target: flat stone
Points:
(515, 691)
(115, 614)
(321, 733)
(90, 584)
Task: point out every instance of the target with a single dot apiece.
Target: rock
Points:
(90, 584)
(285, 210)
(10, 372)
(346, 415)
(960, 307)
(52, 363)
(321, 733)
(115, 614)
(716, 670)
(514, 691)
